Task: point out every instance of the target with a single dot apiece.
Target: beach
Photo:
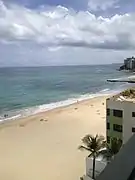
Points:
(45, 146)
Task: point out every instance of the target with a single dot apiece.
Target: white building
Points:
(120, 123)
(99, 167)
(121, 116)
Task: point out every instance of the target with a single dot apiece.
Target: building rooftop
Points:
(126, 95)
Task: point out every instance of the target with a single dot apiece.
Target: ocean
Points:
(28, 90)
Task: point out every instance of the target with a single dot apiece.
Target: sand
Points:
(45, 146)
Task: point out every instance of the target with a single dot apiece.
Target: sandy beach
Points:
(45, 146)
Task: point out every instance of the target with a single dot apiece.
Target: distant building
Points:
(120, 121)
(129, 64)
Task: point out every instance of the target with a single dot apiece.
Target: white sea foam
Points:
(99, 70)
(46, 107)
(125, 78)
(12, 118)
(131, 77)
(104, 90)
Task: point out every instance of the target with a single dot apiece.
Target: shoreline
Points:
(17, 114)
(76, 101)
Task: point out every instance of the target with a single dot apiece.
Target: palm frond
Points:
(93, 144)
(90, 155)
(101, 145)
(100, 142)
(100, 138)
(83, 148)
(87, 139)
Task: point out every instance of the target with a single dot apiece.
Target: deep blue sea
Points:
(29, 90)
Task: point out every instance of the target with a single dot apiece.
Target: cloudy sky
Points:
(66, 32)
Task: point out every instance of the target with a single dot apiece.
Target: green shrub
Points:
(128, 93)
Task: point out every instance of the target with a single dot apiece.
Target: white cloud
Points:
(59, 26)
(96, 5)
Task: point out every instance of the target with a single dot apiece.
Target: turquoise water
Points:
(24, 91)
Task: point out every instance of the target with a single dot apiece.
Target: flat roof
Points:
(126, 95)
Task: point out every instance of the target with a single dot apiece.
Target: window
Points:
(108, 112)
(133, 114)
(108, 125)
(117, 128)
(108, 139)
(117, 113)
(133, 129)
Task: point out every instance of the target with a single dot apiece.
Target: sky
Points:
(66, 32)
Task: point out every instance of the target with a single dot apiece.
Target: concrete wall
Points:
(87, 178)
(128, 120)
(100, 165)
(114, 120)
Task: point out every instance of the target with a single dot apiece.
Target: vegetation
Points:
(94, 145)
(128, 93)
(111, 149)
(97, 146)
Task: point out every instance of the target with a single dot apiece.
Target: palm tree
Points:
(94, 145)
(111, 150)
